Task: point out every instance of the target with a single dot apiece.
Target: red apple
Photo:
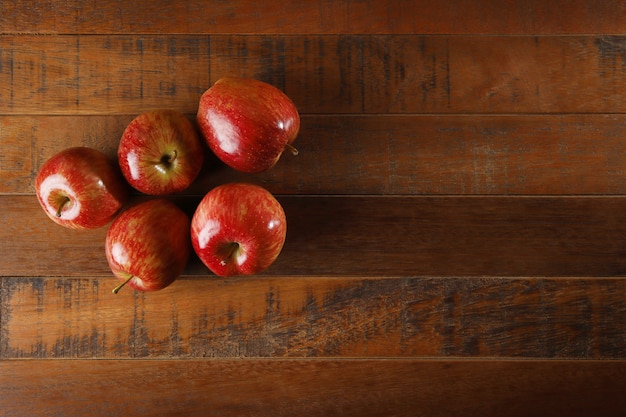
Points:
(160, 152)
(247, 123)
(238, 229)
(148, 245)
(80, 188)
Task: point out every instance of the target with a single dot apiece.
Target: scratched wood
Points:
(313, 387)
(127, 74)
(329, 17)
(374, 236)
(210, 317)
(377, 155)
(456, 214)
(102, 74)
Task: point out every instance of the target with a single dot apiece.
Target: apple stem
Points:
(170, 157)
(63, 203)
(119, 287)
(292, 149)
(232, 248)
(167, 160)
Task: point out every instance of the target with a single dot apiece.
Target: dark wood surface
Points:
(333, 387)
(456, 217)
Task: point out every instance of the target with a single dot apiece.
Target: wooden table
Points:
(457, 220)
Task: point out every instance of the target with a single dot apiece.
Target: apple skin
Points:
(238, 229)
(148, 245)
(81, 188)
(247, 123)
(160, 152)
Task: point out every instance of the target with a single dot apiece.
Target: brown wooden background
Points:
(457, 213)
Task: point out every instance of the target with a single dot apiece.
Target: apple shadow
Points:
(320, 237)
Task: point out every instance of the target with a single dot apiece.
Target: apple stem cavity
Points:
(62, 205)
(166, 161)
(119, 287)
(292, 149)
(169, 158)
(230, 253)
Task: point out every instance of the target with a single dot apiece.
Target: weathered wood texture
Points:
(377, 155)
(458, 202)
(209, 317)
(313, 388)
(329, 17)
(127, 74)
(375, 236)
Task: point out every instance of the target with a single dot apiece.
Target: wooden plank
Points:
(433, 74)
(128, 74)
(102, 74)
(312, 387)
(374, 236)
(528, 74)
(377, 155)
(328, 17)
(346, 317)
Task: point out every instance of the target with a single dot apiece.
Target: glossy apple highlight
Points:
(148, 245)
(238, 229)
(80, 188)
(247, 123)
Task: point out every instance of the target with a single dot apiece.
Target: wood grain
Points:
(374, 236)
(377, 155)
(312, 387)
(456, 214)
(102, 74)
(347, 317)
(485, 74)
(127, 74)
(328, 17)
